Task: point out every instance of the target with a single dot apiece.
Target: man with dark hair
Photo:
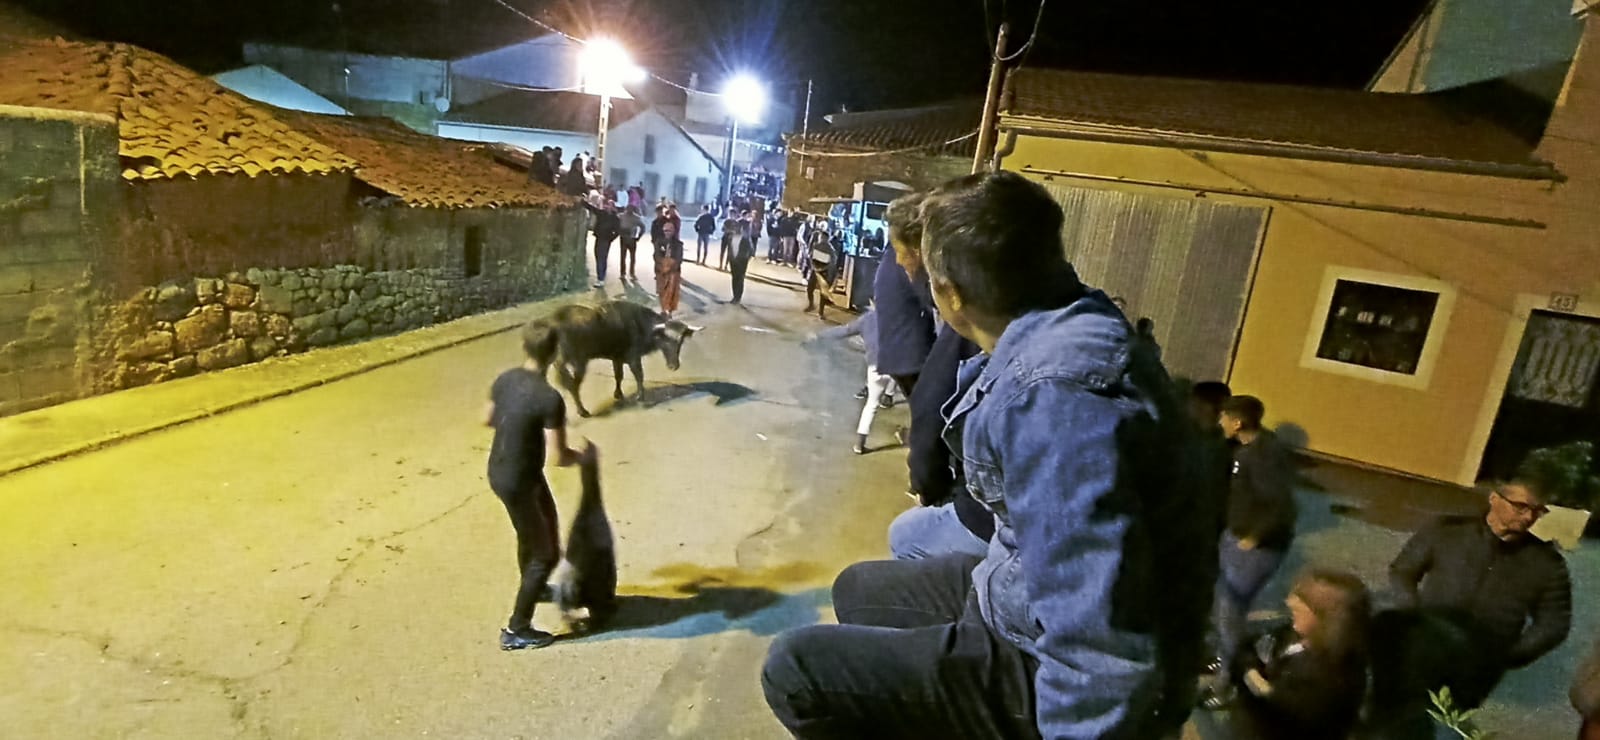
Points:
(740, 250)
(1094, 583)
(1478, 596)
(905, 303)
(1205, 403)
(1260, 527)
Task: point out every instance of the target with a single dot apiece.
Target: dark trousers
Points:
(702, 248)
(630, 257)
(906, 383)
(910, 658)
(602, 254)
(738, 268)
(722, 257)
(533, 516)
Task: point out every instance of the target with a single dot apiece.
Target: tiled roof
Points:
(424, 170)
(1425, 127)
(171, 121)
(546, 111)
(927, 128)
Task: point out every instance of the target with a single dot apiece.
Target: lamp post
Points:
(605, 67)
(745, 99)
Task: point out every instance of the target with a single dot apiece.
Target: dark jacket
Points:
(905, 317)
(705, 224)
(1261, 497)
(1517, 595)
(1314, 695)
(936, 475)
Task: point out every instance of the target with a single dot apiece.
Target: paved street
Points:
(331, 564)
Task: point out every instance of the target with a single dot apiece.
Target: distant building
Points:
(266, 85)
(919, 147)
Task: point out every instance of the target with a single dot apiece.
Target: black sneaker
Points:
(525, 639)
(886, 402)
(861, 394)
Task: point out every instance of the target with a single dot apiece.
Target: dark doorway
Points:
(472, 252)
(1551, 396)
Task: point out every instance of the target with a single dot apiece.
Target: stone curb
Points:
(536, 309)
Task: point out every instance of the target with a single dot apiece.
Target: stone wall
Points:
(835, 177)
(56, 173)
(183, 327)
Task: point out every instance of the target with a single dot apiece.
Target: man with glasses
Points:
(1479, 597)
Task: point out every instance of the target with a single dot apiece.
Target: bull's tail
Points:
(540, 340)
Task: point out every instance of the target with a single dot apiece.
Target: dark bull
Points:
(619, 331)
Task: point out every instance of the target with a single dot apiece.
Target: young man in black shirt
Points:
(1260, 527)
(528, 416)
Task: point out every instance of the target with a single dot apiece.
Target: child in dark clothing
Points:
(527, 415)
(1306, 681)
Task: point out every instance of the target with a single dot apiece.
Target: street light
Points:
(745, 98)
(605, 66)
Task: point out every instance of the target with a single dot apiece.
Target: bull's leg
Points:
(572, 378)
(637, 366)
(616, 370)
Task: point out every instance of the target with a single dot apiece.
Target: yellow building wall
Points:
(1436, 431)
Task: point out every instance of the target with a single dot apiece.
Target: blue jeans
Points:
(931, 531)
(1243, 574)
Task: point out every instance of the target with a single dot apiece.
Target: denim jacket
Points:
(1070, 434)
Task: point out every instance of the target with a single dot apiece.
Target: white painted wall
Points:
(265, 84)
(675, 156)
(387, 79)
(533, 140)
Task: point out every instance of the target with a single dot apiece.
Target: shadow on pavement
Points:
(706, 601)
(725, 392)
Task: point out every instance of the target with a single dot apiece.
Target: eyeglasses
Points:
(1523, 507)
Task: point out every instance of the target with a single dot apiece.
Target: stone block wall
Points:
(183, 327)
(55, 171)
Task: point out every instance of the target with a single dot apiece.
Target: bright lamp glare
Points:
(745, 98)
(606, 65)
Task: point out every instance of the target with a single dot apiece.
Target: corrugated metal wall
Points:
(1183, 262)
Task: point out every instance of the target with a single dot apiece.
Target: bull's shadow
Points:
(704, 601)
(725, 392)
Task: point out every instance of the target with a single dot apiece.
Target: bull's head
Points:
(669, 338)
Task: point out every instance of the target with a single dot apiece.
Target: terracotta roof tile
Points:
(927, 127)
(1430, 126)
(171, 121)
(424, 170)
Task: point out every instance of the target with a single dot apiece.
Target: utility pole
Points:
(600, 140)
(805, 128)
(991, 102)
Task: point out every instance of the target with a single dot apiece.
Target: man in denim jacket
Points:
(1086, 617)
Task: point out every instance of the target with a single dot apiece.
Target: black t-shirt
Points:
(524, 406)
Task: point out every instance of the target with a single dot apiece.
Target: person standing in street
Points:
(528, 417)
(704, 227)
(1260, 527)
(606, 229)
(819, 287)
(742, 251)
(632, 226)
(669, 267)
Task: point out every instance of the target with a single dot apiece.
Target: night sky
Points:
(861, 53)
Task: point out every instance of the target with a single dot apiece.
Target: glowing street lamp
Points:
(745, 99)
(605, 66)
